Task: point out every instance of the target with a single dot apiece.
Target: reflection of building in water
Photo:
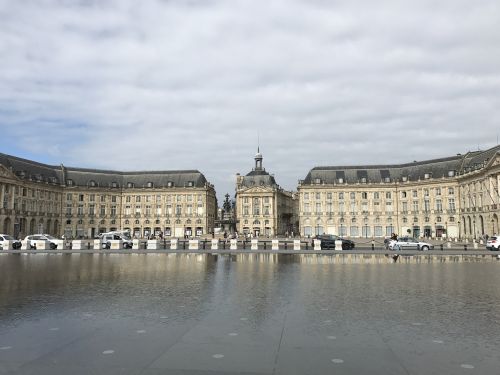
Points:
(76, 202)
(452, 197)
(262, 206)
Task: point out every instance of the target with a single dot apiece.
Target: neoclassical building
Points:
(263, 208)
(454, 197)
(81, 202)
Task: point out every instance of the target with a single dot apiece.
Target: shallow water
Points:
(249, 313)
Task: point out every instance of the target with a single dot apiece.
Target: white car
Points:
(43, 237)
(493, 244)
(5, 237)
(409, 243)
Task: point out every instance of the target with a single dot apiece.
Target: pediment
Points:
(256, 189)
(7, 173)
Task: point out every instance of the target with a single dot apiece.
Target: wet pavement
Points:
(245, 314)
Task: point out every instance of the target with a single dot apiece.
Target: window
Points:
(102, 210)
(150, 184)
(158, 210)
(426, 192)
(388, 206)
(246, 210)
(69, 182)
(245, 200)
(92, 197)
(438, 191)
(127, 210)
(113, 199)
(306, 196)
(318, 196)
(307, 208)
(329, 196)
(92, 209)
(137, 210)
(318, 208)
(68, 209)
(353, 195)
(137, 198)
(439, 205)
(113, 210)
(451, 204)
(80, 198)
(388, 195)
(178, 209)
(415, 206)
(80, 209)
(92, 183)
(364, 195)
(148, 210)
(130, 184)
(341, 195)
(114, 185)
(451, 191)
(376, 195)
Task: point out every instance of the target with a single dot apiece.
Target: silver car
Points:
(409, 243)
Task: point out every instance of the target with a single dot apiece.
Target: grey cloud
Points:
(190, 84)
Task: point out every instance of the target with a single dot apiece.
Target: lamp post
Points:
(446, 224)
(474, 227)
(459, 229)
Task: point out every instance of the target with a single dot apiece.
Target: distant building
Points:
(263, 208)
(80, 202)
(452, 197)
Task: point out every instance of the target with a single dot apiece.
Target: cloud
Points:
(192, 84)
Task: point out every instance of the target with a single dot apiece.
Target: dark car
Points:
(328, 242)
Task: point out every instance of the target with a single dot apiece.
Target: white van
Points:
(115, 235)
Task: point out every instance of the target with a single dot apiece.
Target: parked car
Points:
(409, 243)
(116, 235)
(42, 237)
(328, 242)
(493, 244)
(5, 237)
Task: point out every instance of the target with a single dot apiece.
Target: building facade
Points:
(455, 197)
(76, 202)
(263, 208)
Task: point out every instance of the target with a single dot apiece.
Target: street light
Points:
(474, 226)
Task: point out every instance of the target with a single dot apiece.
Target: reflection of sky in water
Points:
(272, 299)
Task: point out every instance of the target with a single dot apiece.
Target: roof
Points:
(436, 168)
(31, 170)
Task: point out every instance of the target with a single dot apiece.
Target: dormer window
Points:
(114, 184)
(317, 181)
(69, 182)
(150, 184)
(363, 180)
(451, 173)
(404, 178)
(387, 179)
(92, 183)
(190, 183)
(170, 184)
(340, 180)
(130, 184)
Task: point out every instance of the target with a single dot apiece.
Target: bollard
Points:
(373, 246)
(265, 245)
(441, 247)
(307, 245)
(286, 245)
(224, 245)
(204, 242)
(88, 245)
(465, 247)
(244, 244)
(184, 245)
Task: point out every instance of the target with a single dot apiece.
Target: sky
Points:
(171, 85)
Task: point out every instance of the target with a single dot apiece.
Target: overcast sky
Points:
(167, 85)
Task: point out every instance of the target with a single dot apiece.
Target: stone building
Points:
(262, 206)
(450, 197)
(80, 202)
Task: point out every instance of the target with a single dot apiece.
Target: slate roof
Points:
(259, 178)
(27, 169)
(436, 168)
